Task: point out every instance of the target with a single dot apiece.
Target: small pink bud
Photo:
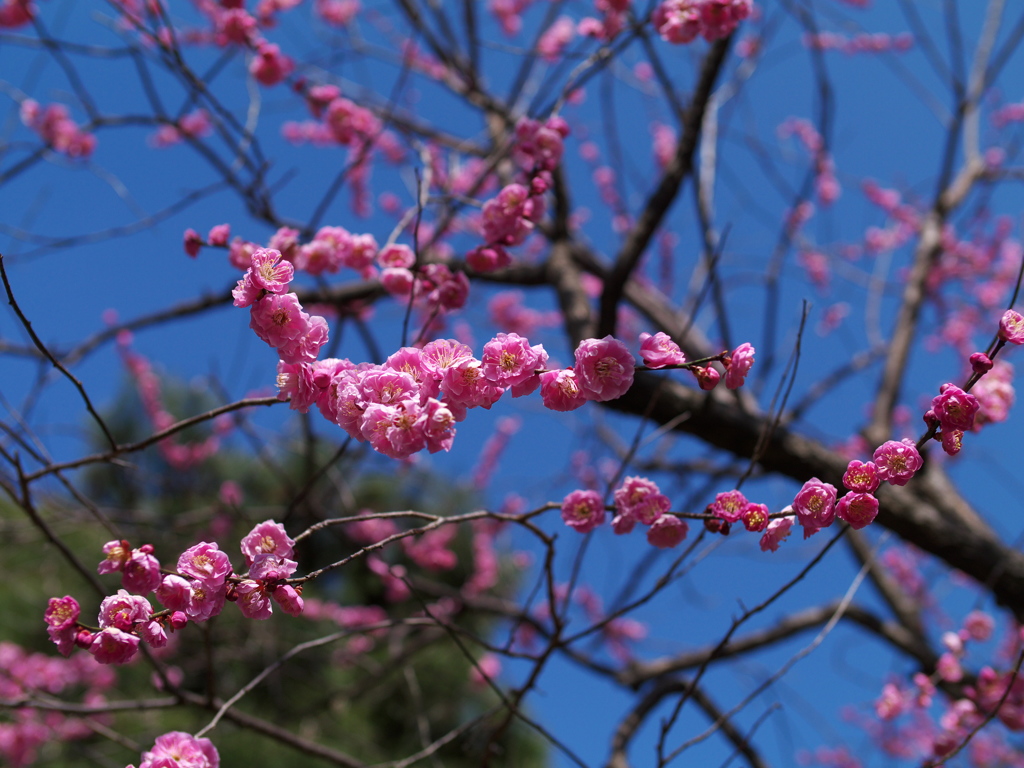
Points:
(707, 378)
(981, 363)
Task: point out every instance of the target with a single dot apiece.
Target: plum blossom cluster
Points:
(54, 125)
(194, 125)
(682, 21)
(24, 675)
(906, 707)
(204, 581)
(509, 218)
(660, 351)
(637, 500)
(825, 182)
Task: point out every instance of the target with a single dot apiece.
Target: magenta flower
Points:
(173, 593)
(954, 408)
(667, 531)
(141, 574)
(124, 611)
(181, 750)
(815, 504)
(755, 517)
(560, 391)
(117, 555)
(267, 538)
(857, 509)
(296, 385)
(205, 562)
(776, 533)
(952, 441)
(279, 320)
(508, 359)
(583, 510)
(306, 347)
(707, 377)
(113, 646)
(271, 567)
(861, 477)
(641, 500)
(897, 462)
(604, 368)
(193, 242)
(153, 633)
(205, 599)
(1011, 327)
(438, 424)
(729, 506)
(288, 598)
(253, 600)
(659, 350)
(61, 618)
(737, 370)
(623, 524)
(269, 271)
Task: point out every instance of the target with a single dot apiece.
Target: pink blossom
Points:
(641, 500)
(729, 506)
(205, 600)
(979, 625)
(271, 567)
(153, 633)
(1011, 327)
(604, 368)
(61, 618)
(267, 538)
(954, 408)
(485, 671)
(892, 703)
(555, 38)
(269, 271)
(509, 218)
(438, 424)
(667, 531)
(117, 555)
(397, 256)
(707, 377)
(193, 242)
(219, 235)
(269, 66)
(509, 360)
(737, 370)
(952, 441)
(623, 524)
(857, 509)
(755, 517)
(253, 601)
(297, 385)
(815, 504)
(659, 350)
(288, 598)
(173, 593)
(279, 320)
(205, 562)
(181, 750)
(306, 347)
(995, 395)
(776, 533)
(465, 385)
(560, 391)
(861, 477)
(124, 610)
(583, 510)
(141, 574)
(897, 462)
(113, 646)
(488, 258)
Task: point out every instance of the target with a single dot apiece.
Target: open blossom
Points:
(729, 506)
(113, 646)
(604, 368)
(955, 408)
(755, 517)
(267, 538)
(124, 610)
(897, 462)
(583, 510)
(181, 750)
(1011, 327)
(742, 361)
(560, 390)
(861, 477)
(659, 350)
(858, 509)
(205, 599)
(205, 562)
(640, 499)
(509, 360)
(815, 504)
